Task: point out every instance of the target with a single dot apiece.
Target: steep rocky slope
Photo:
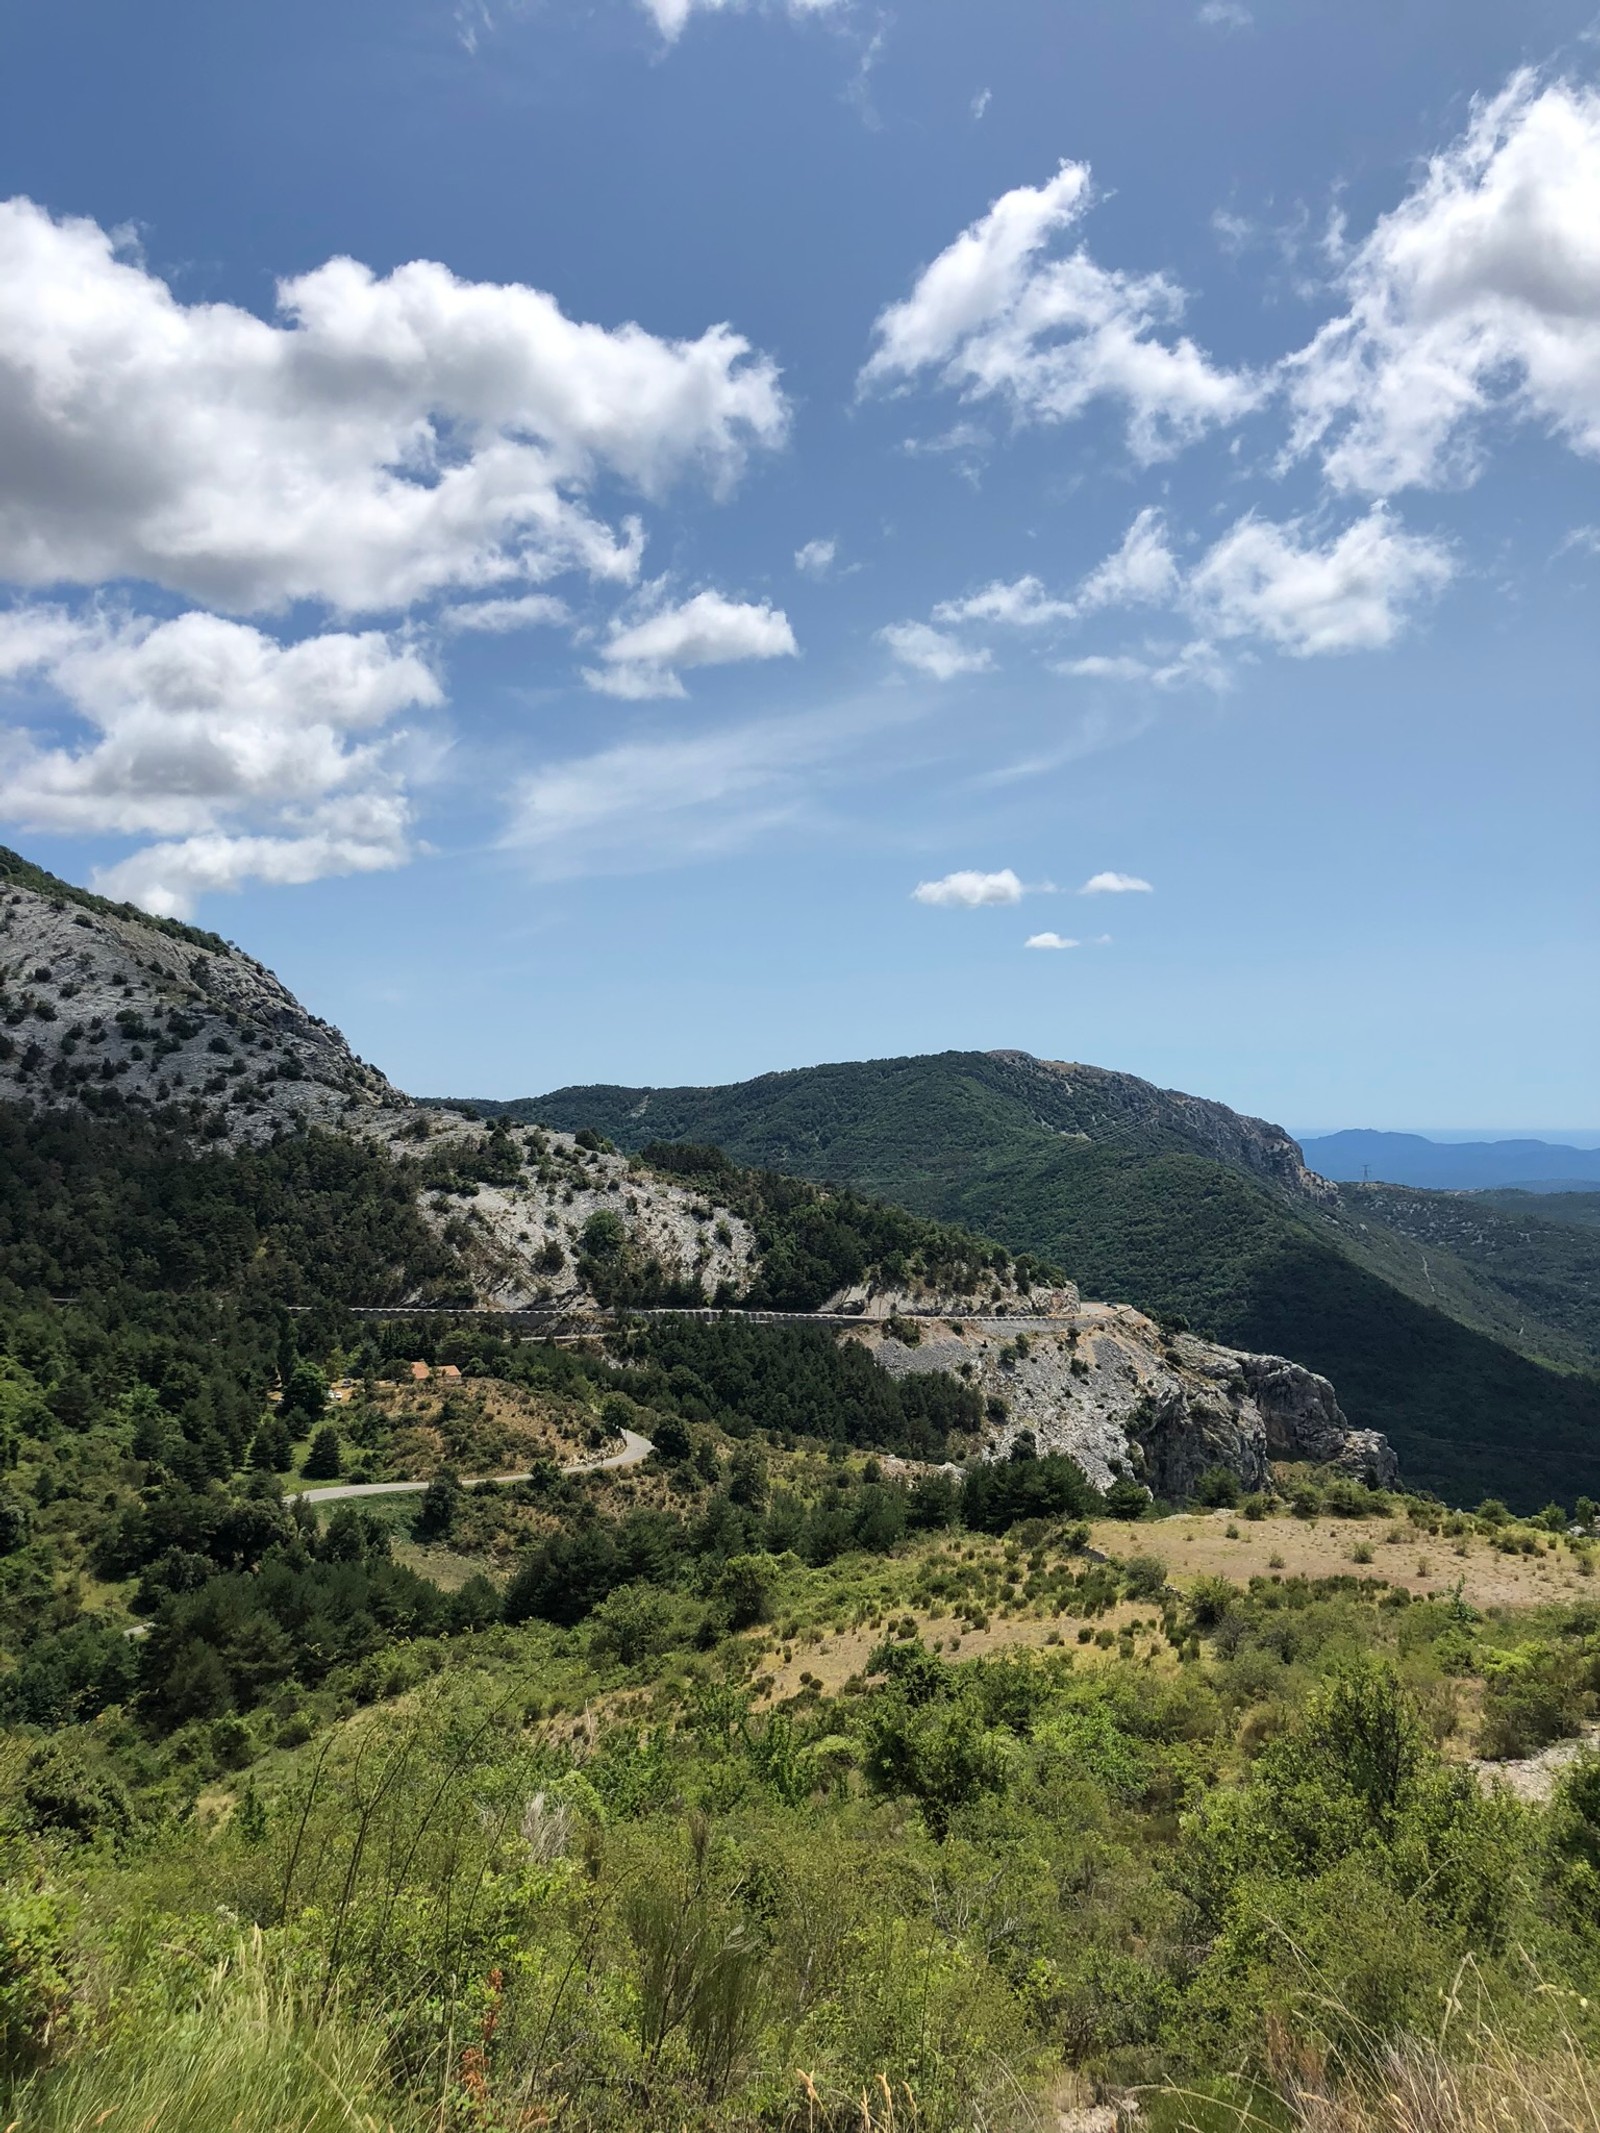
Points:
(104, 1006)
(519, 1210)
(1110, 1389)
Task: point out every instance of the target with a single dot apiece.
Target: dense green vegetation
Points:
(815, 1241)
(1135, 1206)
(146, 1308)
(593, 1871)
(1521, 1268)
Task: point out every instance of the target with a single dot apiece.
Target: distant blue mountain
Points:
(1452, 1166)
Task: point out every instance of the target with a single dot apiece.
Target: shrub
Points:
(1526, 1709)
(35, 1979)
(603, 1235)
(1127, 1498)
(1211, 1601)
(1218, 1488)
(441, 1505)
(1575, 1839)
(744, 1590)
(630, 1624)
(1144, 1577)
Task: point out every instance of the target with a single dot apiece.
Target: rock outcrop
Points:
(521, 1239)
(1109, 1389)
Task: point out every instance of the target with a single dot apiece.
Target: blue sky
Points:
(656, 540)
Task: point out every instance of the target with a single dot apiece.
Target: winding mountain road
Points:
(635, 1450)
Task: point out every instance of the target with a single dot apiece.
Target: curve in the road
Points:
(635, 1450)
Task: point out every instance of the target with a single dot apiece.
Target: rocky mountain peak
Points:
(104, 1007)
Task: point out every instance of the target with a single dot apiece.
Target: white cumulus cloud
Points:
(1049, 940)
(1115, 885)
(642, 659)
(1478, 294)
(383, 440)
(212, 736)
(932, 652)
(996, 316)
(969, 890)
(1351, 594)
(1274, 582)
(367, 835)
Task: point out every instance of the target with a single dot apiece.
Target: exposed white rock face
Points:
(118, 1012)
(997, 1296)
(504, 1233)
(1110, 1390)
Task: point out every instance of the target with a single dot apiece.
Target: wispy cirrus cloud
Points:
(641, 804)
(499, 618)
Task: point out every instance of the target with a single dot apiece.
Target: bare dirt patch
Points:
(1536, 1776)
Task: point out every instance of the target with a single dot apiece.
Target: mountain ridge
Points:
(192, 1051)
(1131, 1189)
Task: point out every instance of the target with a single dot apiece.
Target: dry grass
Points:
(840, 1655)
(1413, 2088)
(1195, 1545)
(1474, 2077)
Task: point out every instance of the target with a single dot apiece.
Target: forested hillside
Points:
(1182, 1213)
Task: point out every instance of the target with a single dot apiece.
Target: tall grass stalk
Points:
(1486, 2083)
(253, 2052)
(1495, 2089)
